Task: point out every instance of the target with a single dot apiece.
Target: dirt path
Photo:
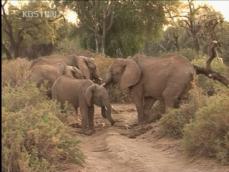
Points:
(108, 150)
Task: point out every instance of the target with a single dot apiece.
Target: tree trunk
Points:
(177, 43)
(196, 44)
(103, 35)
(103, 44)
(16, 50)
(6, 50)
(96, 43)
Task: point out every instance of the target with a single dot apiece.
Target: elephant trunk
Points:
(95, 77)
(106, 113)
(108, 79)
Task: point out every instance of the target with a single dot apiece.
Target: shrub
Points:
(173, 122)
(15, 72)
(33, 137)
(209, 85)
(189, 53)
(208, 133)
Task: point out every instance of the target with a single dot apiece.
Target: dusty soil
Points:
(119, 149)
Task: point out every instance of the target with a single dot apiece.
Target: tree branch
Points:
(212, 75)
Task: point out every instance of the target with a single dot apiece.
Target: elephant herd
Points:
(75, 79)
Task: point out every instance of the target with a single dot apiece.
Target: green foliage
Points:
(129, 25)
(223, 35)
(208, 133)
(173, 122)
(208, 84)
(189, 53)
(28, 26)
(132, 27)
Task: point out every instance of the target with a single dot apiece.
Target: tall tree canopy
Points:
(31, 25)
(117, 27)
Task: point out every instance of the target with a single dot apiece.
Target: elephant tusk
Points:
(100, 79)
(103, 84)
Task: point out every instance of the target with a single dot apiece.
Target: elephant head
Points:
(98, 95)
(88, 68)
(126, 72)
(72, 71)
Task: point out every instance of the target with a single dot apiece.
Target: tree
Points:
(21, 30)
(223, 37)
(200, 23)
(123, 26)
(136, 23)
(95, 16)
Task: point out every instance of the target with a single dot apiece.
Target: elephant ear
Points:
(89, 94)
(131, 74)
(82, 65)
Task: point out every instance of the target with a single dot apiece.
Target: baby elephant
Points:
(85, 94)
(49, 73)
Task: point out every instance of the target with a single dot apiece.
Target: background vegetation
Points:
(34, 135)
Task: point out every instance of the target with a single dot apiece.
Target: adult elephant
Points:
(85, 94)
(85, 64)
(49, 73)
(151, 79)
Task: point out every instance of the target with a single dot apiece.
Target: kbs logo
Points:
(46, 14)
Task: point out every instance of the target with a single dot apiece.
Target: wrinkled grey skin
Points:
(150, 79)
(85, 64)
(85, 94)
(49, 73)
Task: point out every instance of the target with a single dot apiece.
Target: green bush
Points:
(189, 53)
(173, 122)
(33, 136)
(208, 84)
(208, 133)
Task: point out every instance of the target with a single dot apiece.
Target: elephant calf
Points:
(45, 72)
(85, 94)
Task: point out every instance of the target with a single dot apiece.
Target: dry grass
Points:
(15, 72)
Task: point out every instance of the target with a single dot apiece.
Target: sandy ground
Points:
(111, 149)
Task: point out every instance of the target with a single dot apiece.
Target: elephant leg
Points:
(91, 117)
(171, 96)
(76, 112)
(62, 107)
(162, 105)
(138, 101)
(49, 93)
(84, 113)
(148, 103)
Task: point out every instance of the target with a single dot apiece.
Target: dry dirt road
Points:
(111, 150)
